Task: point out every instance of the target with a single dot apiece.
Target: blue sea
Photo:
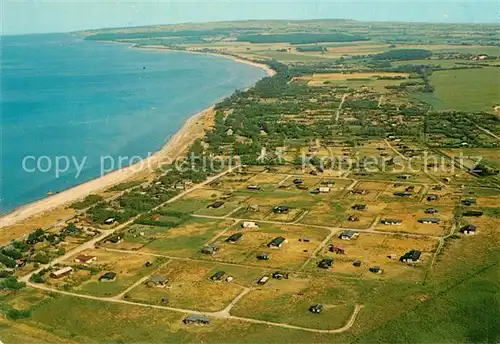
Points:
(65, 97)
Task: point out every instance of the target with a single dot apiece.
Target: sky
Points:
(46, 16)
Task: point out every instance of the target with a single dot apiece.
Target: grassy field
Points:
(465, 90)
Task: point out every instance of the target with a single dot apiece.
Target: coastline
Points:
(194, 127)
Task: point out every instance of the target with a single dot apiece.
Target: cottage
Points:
(115, 239)
(216, 204)
(85, 259)
(301, 187)
(196, 319)
(263, 256)
(402, 193)
(325, 263)
(109, 221)
(305, 239)
(277, 242)
(338, 249)
(108, 277)
(263, 280)
(210, 249)
(253, 187)
(217, 277)
(253, 208)
(391, 221)
(430, 220)
(157, 281)
(431, 211)
(469, 201)
(281, 209)
(376, 270)
(297, 181)
(353, 218)
(473, 213)
(323, 189)
(359, 207)
(412, 256)
(358, 192)
(234, 238)
(62, 272)
(316, 309)
(357, 263)
(249, 224)
(279, 275)
(468, 230)
(348, 235)
(404, 176)
(20, 263)
(432, 197)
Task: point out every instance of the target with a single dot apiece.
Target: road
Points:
(337, 115)
(222, 314)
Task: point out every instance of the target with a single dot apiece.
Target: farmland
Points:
(360, 165)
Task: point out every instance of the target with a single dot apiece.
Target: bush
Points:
(15, 314)
(11, 283)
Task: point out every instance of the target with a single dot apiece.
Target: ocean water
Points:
(65, 97)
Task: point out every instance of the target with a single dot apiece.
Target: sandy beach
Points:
(193, 128)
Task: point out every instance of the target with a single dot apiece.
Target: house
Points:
(263, 280)
(358, 192)
(249, 224)
(438, 187)
(402, 193)
(196, 319)
(391, 221)
(216, 204)
(217, 277)
(348, 235)
(430, 220)
(234, 238)
(148, 264)
(432, 197)
(473, 213)
(325, 263)
(281, 209)
(280, 275)
(469, 229)
(276, 242)
(323, 189)
(305, 239)
(338, 249)
(62, 272)
(412, 256)
(210, 249)
(404, 176)
(20, 263)
(357, 263)
(253, 187)
(115, 239)
(109, 221)
(469, 201)
(431, 211)
(108, 277)
(263, 256)
(85, 259)
(253, 208)
(301, 187)
(316, 309)
(353, 218)
(297, 181)
(157, 281)
(359, 207)
(376, 270)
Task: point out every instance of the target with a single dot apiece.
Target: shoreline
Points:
(175, 147)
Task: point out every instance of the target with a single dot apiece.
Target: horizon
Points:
(42, 17)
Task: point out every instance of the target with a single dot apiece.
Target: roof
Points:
(412, 254)
(469, 228)
(430, 219)
(348, 233)
(158, 279)
(216, 204)
(196, 318)
(391, 220)
(234, 237)
(84, 257)
(218, 274)
(359, 206)
(277, 241)
(63, 270)
(108, 275)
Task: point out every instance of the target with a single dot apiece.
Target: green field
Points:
(465, 90)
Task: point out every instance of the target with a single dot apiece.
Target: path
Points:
(337, 115)
(220, 314)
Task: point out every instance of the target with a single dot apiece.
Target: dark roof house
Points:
(234, 238)
(412, 256)
(277, 242)
(391, 221)
(108, 277)
(433, 220)
(196, 319)
(348, 235)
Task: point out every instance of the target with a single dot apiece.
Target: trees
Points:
(403, 54)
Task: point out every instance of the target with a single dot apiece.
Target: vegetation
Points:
(301, 38)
